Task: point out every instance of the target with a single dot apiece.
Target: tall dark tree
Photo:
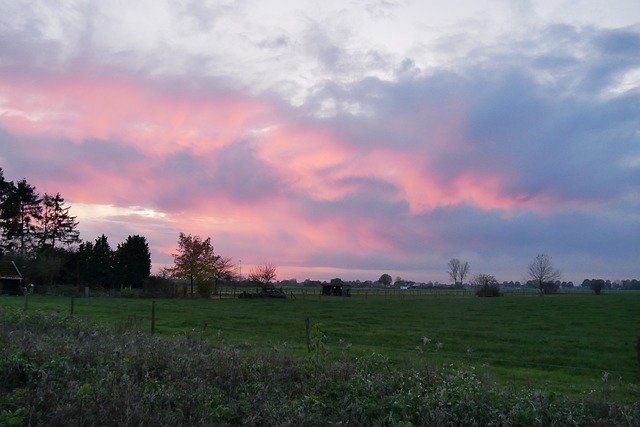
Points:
(57, 224)
(21, 214)
(5, 186)
(133, 261)
(96, 262)
(5, 189)
(47, 267)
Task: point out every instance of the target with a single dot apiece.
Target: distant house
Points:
(336, 288)
(10, 278)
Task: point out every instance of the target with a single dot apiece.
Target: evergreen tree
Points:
(5, 188)
(133, 261)
(57, 224)
(21, 212)
(96, 262)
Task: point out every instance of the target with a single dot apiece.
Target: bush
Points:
(205, 288)
(486, 286)
(488, 291)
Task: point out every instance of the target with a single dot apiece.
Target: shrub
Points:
(486, 286)
(488, 291)
(158, 286)
(205, 288)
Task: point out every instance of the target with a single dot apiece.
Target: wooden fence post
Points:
(153, 317)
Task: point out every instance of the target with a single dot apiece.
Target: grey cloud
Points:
(244, 176)
(564, 142)
(57, 160)
(281, 41)
(327, 51)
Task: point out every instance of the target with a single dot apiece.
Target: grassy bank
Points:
(570, 344)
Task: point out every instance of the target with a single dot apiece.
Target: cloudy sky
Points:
(336, 138)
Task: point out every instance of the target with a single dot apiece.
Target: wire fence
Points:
(420, 349)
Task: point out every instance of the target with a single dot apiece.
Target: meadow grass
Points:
(570, 344)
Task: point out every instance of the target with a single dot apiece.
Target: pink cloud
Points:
(157, 121)
(241, 170)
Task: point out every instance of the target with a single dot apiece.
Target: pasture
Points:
(573, 344)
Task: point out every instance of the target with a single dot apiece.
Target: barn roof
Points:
(9, 271)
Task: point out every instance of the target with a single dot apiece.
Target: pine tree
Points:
(96, 262)
(133, 261)
(57, 224)
(21, 212)
(5, 188)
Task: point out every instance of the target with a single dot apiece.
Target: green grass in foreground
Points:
(569, 344)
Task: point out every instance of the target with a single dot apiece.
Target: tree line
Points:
(41, 236)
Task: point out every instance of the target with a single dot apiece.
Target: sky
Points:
(337, 138)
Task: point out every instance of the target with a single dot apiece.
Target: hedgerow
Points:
(58, 370)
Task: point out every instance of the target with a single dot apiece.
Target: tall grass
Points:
(58, 370)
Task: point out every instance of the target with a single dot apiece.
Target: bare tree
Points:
(541, 271)
(457, 270)
(464, 270)
(224, 270)
(263, 274)
(484, 280)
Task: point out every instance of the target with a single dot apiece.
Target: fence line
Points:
(426, 350)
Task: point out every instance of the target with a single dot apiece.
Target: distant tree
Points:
(195, 260)
(597, 285)
(336, 282)
(263, 275)
(385, 279)
(486, 285)
(541, 272)
(457, 270)
(57, 224)
(21, 212)
(133, 261)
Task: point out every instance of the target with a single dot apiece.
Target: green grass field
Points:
(569, 344)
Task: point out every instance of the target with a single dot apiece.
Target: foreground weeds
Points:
(56, 370)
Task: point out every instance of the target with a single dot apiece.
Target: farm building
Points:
(10, 278)
(336, 288)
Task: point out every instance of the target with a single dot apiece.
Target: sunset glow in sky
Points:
(336, 139)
